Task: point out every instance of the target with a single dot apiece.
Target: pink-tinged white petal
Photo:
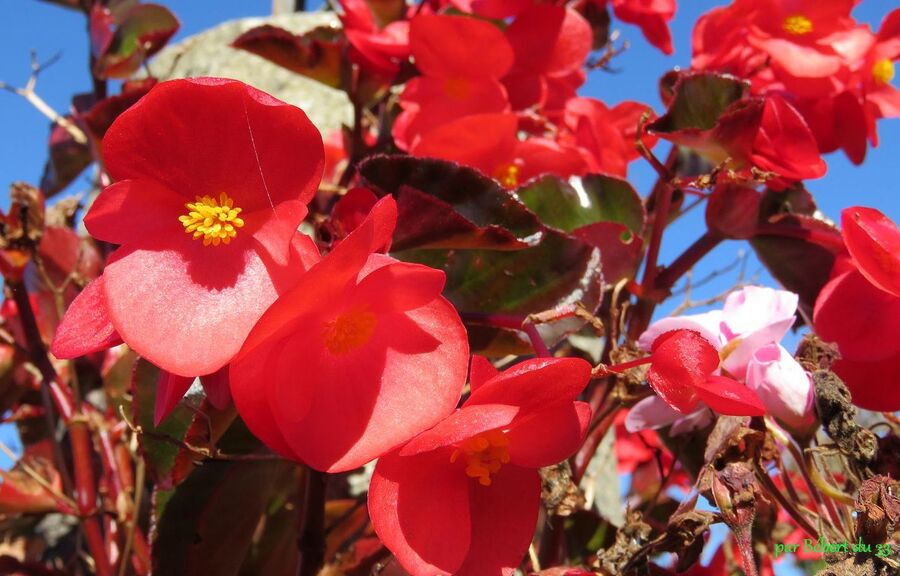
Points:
(708, 324)
(755, 308)
(784, 387)
(700, 418)
(651, 413)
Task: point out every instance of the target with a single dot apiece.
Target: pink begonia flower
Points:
(751, 317)
(784, 386)
(751, 321)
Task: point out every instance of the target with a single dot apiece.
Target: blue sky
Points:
(50, 30)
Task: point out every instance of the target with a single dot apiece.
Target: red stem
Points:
(511, 322)
(79, 435)
(662, 193)
(582, 458)
(687, 260)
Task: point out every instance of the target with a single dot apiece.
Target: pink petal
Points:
(708, 324)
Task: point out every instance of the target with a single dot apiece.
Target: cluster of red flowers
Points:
(332, 361)
(481, 86)
(337, 354)
(832, 69)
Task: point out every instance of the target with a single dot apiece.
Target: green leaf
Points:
(315, 54)
(208, 525)
(699, 100)
(594, 198)
(444, 205)
(159, 454)
(560, 270)
(141, 32)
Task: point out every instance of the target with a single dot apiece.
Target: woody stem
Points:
(79, 435)
(311, 542)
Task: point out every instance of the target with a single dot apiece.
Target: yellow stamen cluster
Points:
(508, 175)
(349, 331)
(798, 25)
(485, 454)
(883, 71)
(216, 221)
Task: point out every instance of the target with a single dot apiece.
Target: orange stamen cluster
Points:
(349, 331)
(883, 71)
(798, 25)
(508, 175)
(485, 454)
(214, 220)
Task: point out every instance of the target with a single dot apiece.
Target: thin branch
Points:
(206, 454)
(61, 498)
(28, 93)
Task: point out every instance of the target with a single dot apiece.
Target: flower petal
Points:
(278, 227)
(708, 324)
(368, 401)
(504, 518)
(549, 436)
(135, 211)
(682, 359)
(729, 397)
(534, 383)
(205, 136)
(86, 327)
(445, 45)
(170, 389)
(874, 242)
(651, 413)
(330, 275)
(197, 303)
(480, 371)
(462, 424)
(401, 286)
(419, 506)
(861, 318)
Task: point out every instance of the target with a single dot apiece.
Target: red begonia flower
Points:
(797, 35)
(550, 43)
(351, 209)
(383, 49)
(497, 9)
(859, 316)
(681, 373)
(652, 16)
(212, 180)
(461, 60)
(489, 142)
(874, 242)
(766, 132)
(607, 134)
(463, 498)
(359, 357)
(719, 42)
